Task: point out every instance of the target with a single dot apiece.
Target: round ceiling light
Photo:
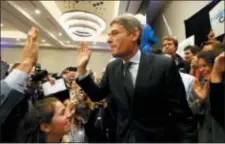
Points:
(82, 24)
(82, 31)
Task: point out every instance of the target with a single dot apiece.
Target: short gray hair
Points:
(130, 23)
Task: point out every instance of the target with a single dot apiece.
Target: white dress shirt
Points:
(134, 66)
(188, 81)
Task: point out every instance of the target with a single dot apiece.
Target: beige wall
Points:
(176, 12)
(55, 60)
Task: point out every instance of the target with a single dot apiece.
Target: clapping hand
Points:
(201, 92)
(218, 68)
(219, 65)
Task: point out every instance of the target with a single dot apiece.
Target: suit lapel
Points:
(119, 77)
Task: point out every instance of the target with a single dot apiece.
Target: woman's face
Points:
(60, 124)
(204, 68)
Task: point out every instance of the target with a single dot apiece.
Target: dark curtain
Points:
(199, 24)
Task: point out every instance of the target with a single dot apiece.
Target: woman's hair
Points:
(208, 57)
(42, 112)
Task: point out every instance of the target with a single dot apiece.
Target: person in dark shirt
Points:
(216, 95)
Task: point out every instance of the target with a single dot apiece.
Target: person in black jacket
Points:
(216, 95)
(170, 46)
(146, 88)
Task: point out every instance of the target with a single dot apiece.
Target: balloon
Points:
(148, 38)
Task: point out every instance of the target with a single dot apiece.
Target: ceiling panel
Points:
(134, 6)
(7, 26)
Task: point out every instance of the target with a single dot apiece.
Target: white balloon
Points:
(141, 18)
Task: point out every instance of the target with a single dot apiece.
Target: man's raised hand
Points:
(83, 57)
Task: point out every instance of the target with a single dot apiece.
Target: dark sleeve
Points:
(178, 105)
(94, 91)
(13, 98)
(187, 68)
(216, 98)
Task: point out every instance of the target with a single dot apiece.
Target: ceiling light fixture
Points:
(68, 42)
(18, 39)
(2, 24)
(60, 34)
(86, 23)
(83, 30)
(37, 11)
(43, 40)
(80, 25)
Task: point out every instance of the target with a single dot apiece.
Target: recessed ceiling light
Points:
(68, 42)
(60, 34)
(37, 11)
(43, 41)
(18, 39)
(2, 24)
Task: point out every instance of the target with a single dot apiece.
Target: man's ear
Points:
(136, 34)
(45, 127)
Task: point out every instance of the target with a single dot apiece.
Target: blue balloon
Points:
(148, 38)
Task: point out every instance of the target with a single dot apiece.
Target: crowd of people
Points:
(202, 73)
(155, 96)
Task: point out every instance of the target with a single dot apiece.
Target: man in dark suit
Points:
(145, 93)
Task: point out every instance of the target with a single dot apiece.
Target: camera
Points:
(39, 74)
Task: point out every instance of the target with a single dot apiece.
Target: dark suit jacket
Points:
(159, 92)
(13, 107)
(182, 65)
(216, 99)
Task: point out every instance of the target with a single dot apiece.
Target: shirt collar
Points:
(136, 58)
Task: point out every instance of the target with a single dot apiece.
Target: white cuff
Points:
(17, 80)
(83, 76)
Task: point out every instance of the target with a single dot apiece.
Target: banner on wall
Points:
(217, 19)
(189, 41)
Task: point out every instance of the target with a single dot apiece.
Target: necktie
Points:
(128, 85)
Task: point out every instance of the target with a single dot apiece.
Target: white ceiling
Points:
(17, 18)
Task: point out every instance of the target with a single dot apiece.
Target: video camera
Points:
(39, 74)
